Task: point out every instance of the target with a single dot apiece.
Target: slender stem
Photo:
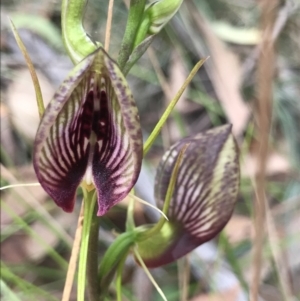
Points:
(73, 258)
(89, 204)
(92, 258)
(108, 25)
(135, 15)
(265, 75)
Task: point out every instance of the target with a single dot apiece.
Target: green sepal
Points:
(77, 42)
(158, 244)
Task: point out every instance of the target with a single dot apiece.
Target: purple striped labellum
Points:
(203, 199)
(90, 135)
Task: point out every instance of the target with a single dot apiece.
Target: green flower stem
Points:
(157, 227)
(92, 259)
(170, 108)
(76, 40)
(135, 16)
(89, 205)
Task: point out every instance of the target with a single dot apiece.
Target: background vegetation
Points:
(246, 82)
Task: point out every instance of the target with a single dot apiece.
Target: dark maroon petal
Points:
(61, 145)
(90, 132)
(118, 152)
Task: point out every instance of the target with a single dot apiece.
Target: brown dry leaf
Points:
(239, 228)
(14, 198)
(22, 102)
(270, 293)
(12, 250)
(17, 198)
(36, 250)
(287, 219)
(228, 295)
(225, 72)
(276, 164)
(21, 199)
(142, 286)
(20, 247)
(178, 75)
(6, 137)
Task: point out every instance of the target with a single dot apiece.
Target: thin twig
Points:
(264, 109)
(282, 271)
(282, 17)
(184, 277)
(108, 24)
(73, 258)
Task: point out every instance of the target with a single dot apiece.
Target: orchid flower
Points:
(90, 135)
(203, 198)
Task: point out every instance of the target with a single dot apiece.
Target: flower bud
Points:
(160, 13)
(156, 16)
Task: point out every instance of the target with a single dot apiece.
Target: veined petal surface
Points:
(90, 131)
(204, 196)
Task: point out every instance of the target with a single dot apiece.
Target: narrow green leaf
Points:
(37, 88)
(137, 53)
(7, 293)
(170, 107)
